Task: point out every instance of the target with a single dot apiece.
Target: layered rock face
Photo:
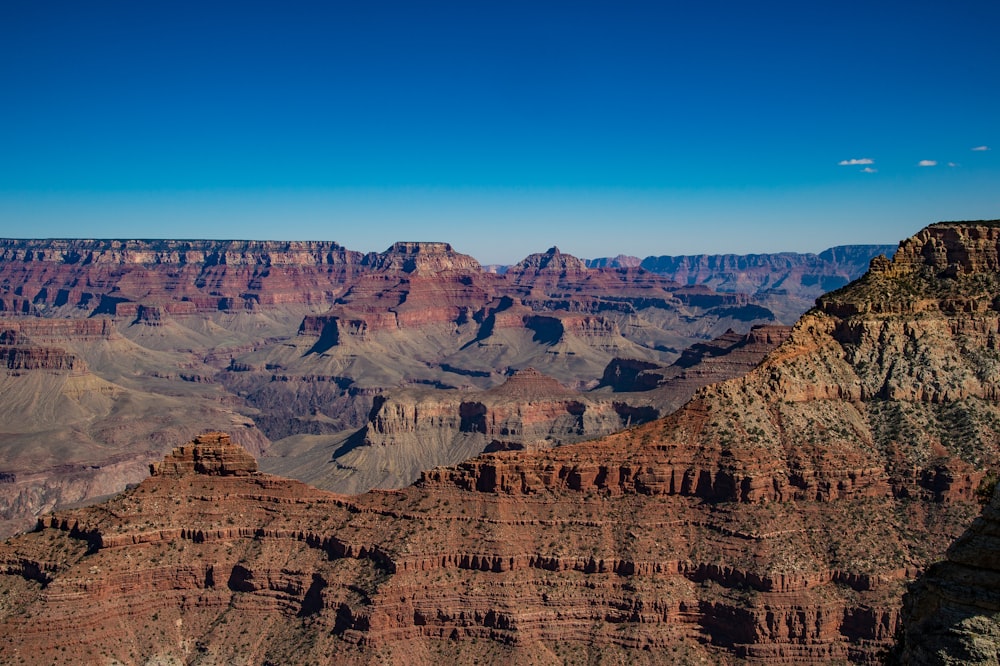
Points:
(422, 257)
(786, 283)
(952, 614)
(211, 453)
(112, 276)
(774, 519)
(528, 408)
(147, 279)
(33, 344)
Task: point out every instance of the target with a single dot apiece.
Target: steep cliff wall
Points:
(105, 275)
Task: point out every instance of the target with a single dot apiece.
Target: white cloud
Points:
(856, 161)
(952, 164)
(869, 170)
(981, 148)
(927, 163)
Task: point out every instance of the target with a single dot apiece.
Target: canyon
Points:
(117, 349)
(776, 517)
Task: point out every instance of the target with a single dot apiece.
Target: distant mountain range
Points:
(804, 275)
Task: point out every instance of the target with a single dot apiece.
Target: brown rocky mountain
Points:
(278, 342)
(775, 518)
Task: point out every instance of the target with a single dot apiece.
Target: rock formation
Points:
(951, 615)
(185, 276)
(727, 356)
(775, 518)
(212, 453)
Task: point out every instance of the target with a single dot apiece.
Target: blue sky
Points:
(502, 127)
